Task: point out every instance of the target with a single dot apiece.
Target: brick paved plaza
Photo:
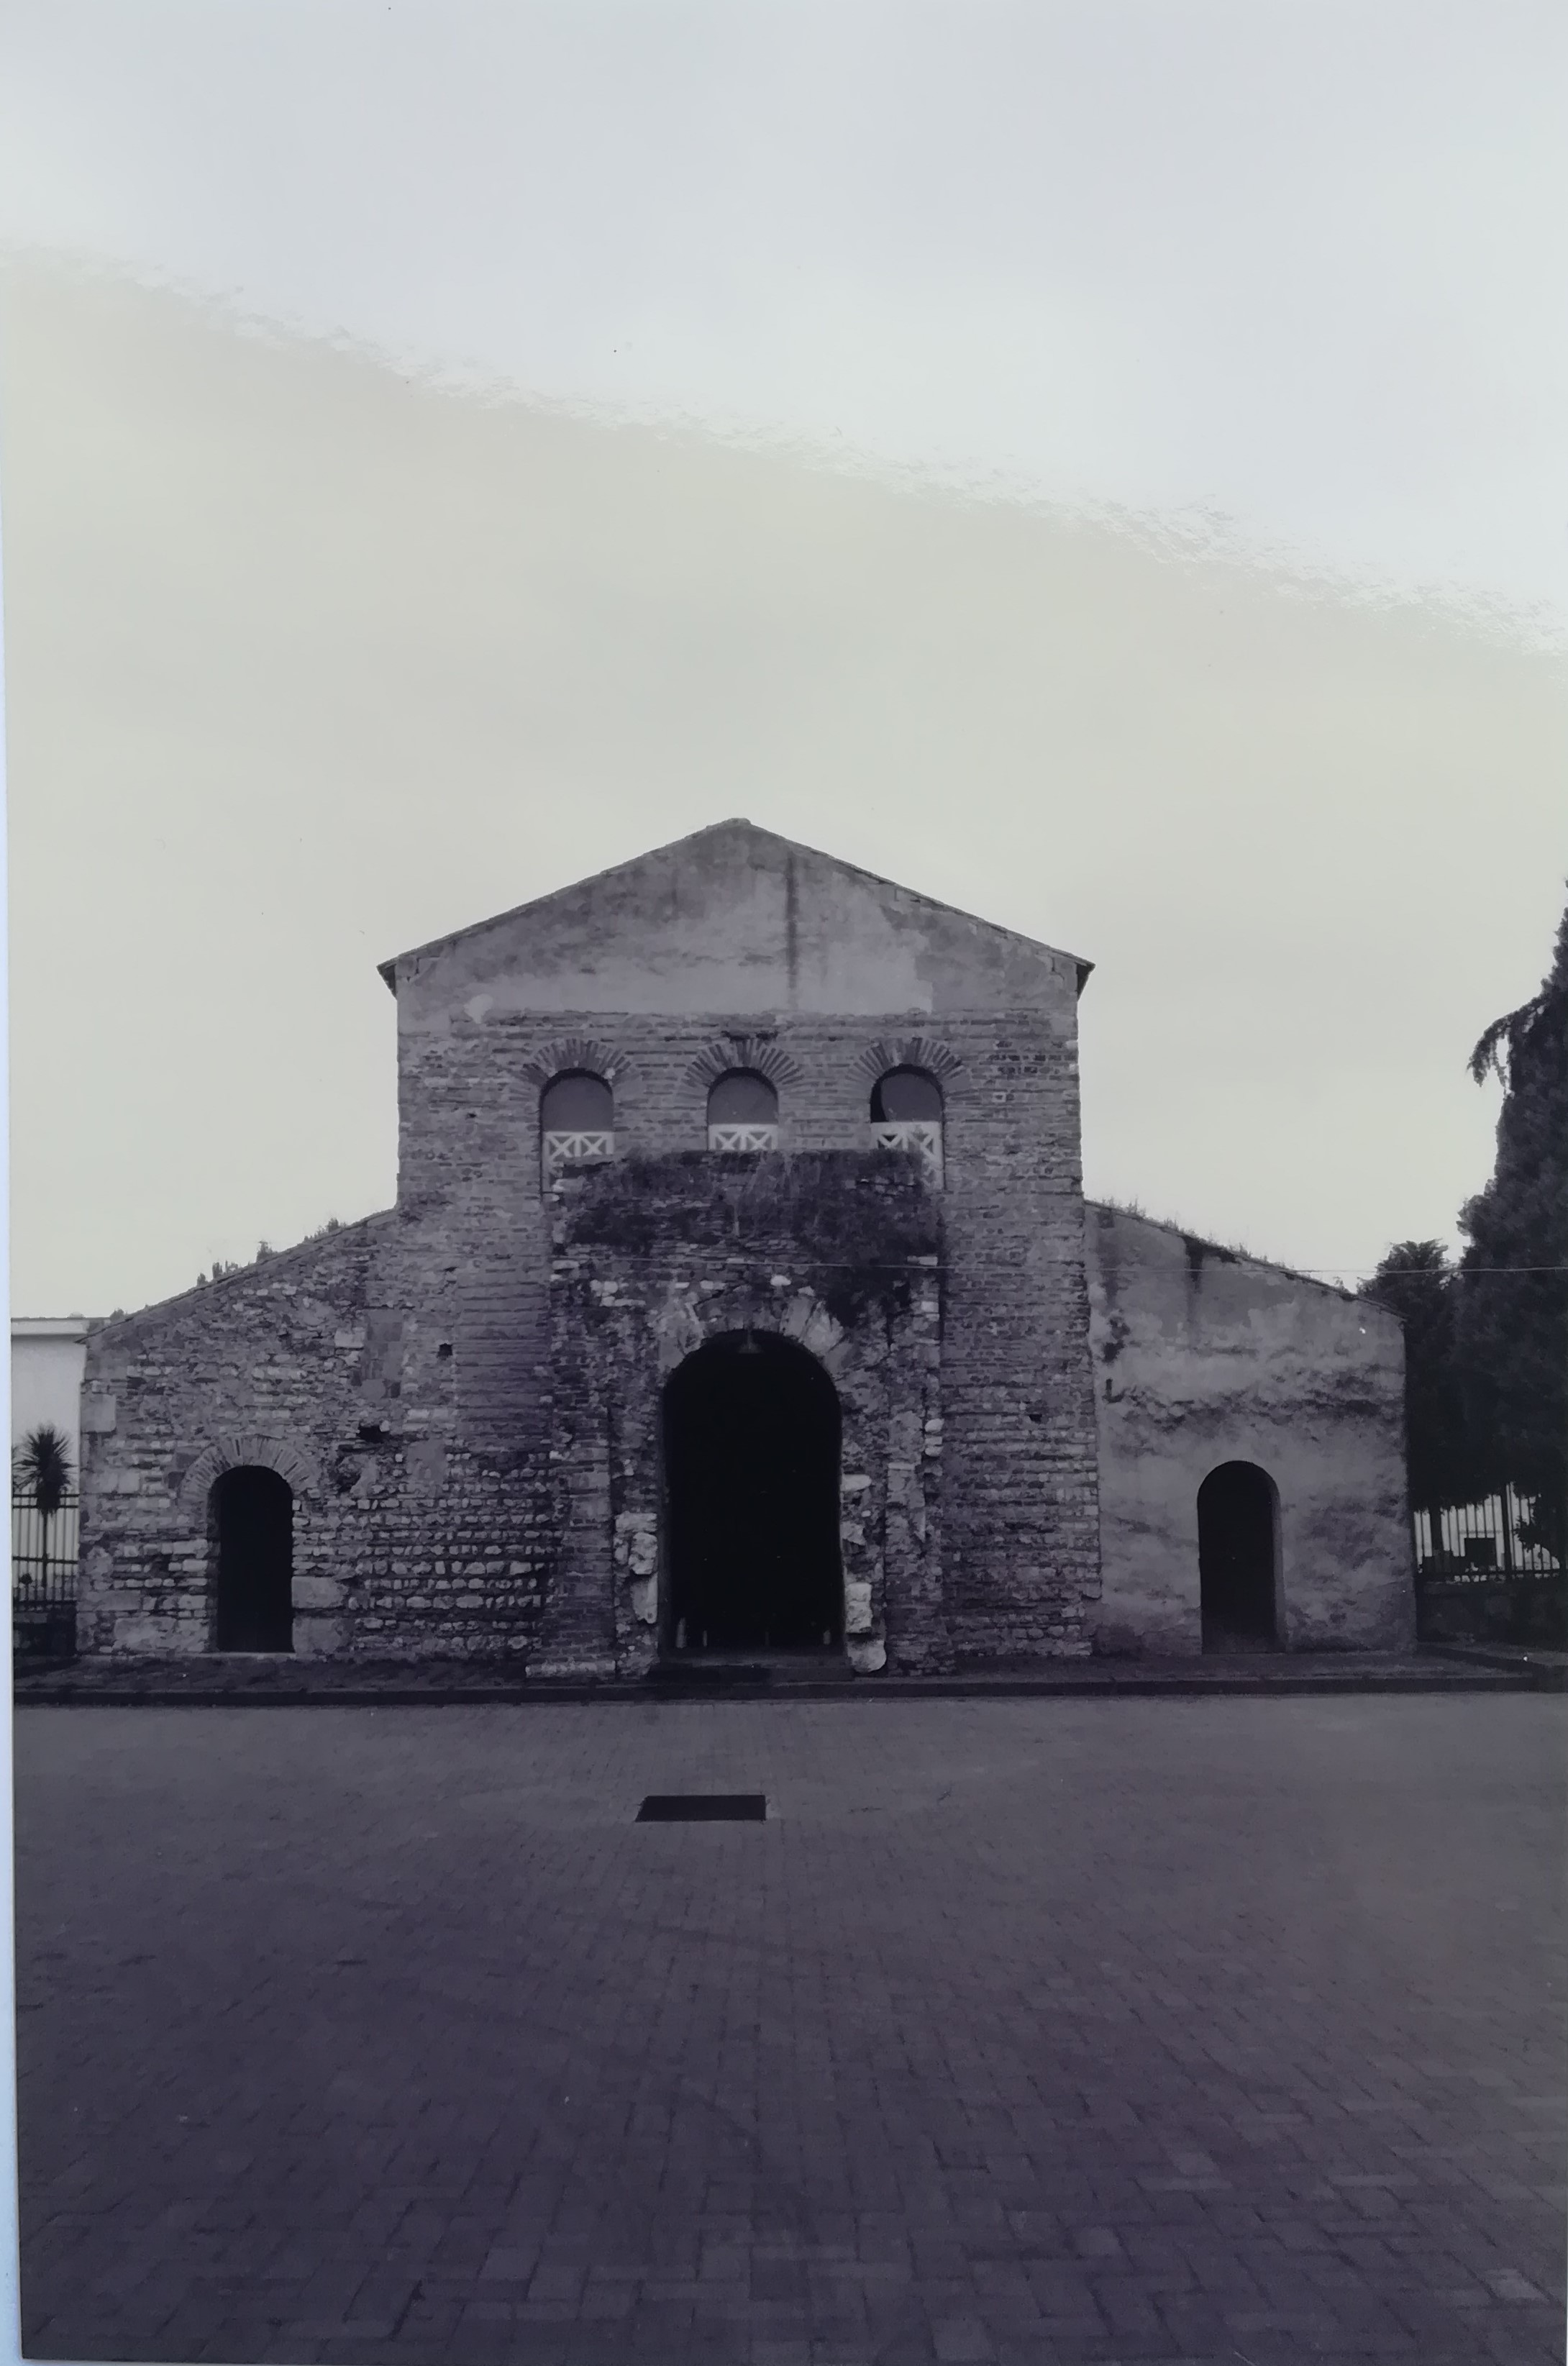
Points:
(1023, 2030)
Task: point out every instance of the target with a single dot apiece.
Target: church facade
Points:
(740, 1297)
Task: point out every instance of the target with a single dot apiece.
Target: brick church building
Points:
(741, 1298)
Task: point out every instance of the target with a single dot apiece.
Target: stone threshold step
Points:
(1249, 1681)
(714, 1674)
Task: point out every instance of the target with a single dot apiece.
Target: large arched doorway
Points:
(1238, 1551)
(751, 1497)
(253, 1517)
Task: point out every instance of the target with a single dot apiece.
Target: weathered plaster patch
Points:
(426, 1462)
(857, 1607)
(636, 1543)
(677, 1330)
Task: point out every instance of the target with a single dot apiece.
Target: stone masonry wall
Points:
(737, 947)
(838, 1251)
(1023, 1572)
(438, 1537)
(1021, 1530)
(732, 948)
(408, 1538)
(1202, 1357)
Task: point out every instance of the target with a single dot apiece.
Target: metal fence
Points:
(1491, 1573)
(43, 1579)
(1477, 1544)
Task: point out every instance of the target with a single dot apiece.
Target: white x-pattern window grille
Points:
(743, 1137)
(921, 1135)
(576, 1149)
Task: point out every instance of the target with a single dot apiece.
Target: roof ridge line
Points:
(387, 970)
(1219, 1248)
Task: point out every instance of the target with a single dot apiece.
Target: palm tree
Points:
(42, 1475)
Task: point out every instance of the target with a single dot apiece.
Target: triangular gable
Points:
(736, 917)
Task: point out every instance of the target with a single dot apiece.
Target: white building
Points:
(46, 1355)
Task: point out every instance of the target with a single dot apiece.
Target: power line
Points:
(1414, 1272)
(924, 1262)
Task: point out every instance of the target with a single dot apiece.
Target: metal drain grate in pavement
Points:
(703, 1808)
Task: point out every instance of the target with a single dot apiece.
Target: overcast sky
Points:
(1286, 265)
(978, 327)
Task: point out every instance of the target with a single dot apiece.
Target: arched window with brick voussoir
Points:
(743, 1112)
(577, 1122)
(906, 1114)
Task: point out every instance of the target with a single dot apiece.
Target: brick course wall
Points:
(1022, 1565)
(1023, 1526)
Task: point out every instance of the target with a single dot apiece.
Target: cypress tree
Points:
(1416, 1281)
(1511, 1312)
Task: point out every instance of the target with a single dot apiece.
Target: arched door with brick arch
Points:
(1238, 1553)
(751, 1448)
(252, 1527)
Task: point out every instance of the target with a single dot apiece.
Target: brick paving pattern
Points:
(1029, 2031)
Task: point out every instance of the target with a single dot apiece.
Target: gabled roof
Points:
(746, 831)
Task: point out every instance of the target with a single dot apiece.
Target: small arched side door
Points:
(1239, 1559)
(252, 1528)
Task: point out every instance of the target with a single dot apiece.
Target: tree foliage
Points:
(1487, 1341)
(1417, 1282)
(1511, 1314)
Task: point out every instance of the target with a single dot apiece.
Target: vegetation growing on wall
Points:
(223, 1266)
(862, 1214)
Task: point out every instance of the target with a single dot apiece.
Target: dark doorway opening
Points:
(253, 1511)
(751, 1495)
(1237, 1551)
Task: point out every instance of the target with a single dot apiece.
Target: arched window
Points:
(906, 1114)
(743, 1112)
(576, 1120)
